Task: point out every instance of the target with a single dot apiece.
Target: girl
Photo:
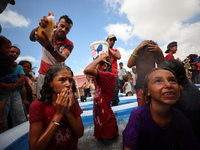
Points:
(105, 124)
(55, 121)
(127, 86)
(156, 125)
(14, 102)
(26, 91)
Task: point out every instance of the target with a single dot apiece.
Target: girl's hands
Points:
(64, 102)
(102, 58)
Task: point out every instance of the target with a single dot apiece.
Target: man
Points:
(114, 55)
(54, 51)
(121, 72)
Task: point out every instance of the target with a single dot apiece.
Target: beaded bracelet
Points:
(133, 55)
(56, 123)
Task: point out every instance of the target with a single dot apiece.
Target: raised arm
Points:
(91, 68)
(132, 59)
(114, 54)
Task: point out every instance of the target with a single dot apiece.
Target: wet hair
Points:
(46, 91)
(16, 48)
(146, 49)
(109, 66)
(146, 81)
(179, 70)
(67, 19)
(24, 62)
(4, 40)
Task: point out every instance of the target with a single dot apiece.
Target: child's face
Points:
(148, 56)
(173, 49)
(14, 53)
(163, 87)
(63, 79)
(26, 68)
(121, 65)
(5, 49)
(193, 67)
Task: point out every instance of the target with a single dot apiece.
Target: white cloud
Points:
(126, 31)
(11, 18)
(29, 58)
(159, 20)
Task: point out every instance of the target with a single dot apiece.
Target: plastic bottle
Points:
(49, 29)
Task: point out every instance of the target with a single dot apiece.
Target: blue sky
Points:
(132, 21)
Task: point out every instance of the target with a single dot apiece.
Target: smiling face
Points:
(5, 49)
(163, 87)
(26, 68)
(63, 29)
(63, 79)
(14, 53)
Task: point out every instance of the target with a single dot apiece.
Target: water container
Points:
(49, 29)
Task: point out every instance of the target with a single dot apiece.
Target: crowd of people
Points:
(167, 116)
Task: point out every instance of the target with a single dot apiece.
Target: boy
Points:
(144, 57)
(171, 49)
(105, 123)
(121, 72)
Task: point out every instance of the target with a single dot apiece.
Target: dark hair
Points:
(67, 19)
(83, 98)
(192, 64)
(179, 70)
(46, 91)
(109, 67)
(24, 62)
(146, 49)
(125, 78)
(121, 63)
(4, 40)
(146, 81)
(16, 48)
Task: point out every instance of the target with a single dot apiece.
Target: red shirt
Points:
(48, 60)
(114, 63)
(169, 56)
(64, 137)
(105, 123)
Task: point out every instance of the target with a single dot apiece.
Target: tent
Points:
(80, 78)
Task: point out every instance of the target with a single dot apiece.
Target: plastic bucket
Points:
(99, 47)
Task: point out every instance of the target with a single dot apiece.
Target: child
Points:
(7, 79)
(55, 121)
(156, 125)
(171, 49)
(195, 74)
(121, 72)
(26, 91)
(88, 86)
(105, 123)
(127, 86)
(144, 57)
(189, 100)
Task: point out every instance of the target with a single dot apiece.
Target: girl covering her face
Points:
(55, 120)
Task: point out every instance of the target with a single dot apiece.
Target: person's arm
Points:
(20, 81)
(125, 148)
(114, 54)
(28, 86)
(90, 69)
(132, 59)
(4, 87)
(39, 139)
(125, 84)
(75, 123)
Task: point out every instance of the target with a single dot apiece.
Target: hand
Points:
(154, 47)
(8, 87)
(44, 42)
(62, 102)
(71, 102)
(102, 58)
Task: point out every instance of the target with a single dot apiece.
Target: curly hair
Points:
(46, 91)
